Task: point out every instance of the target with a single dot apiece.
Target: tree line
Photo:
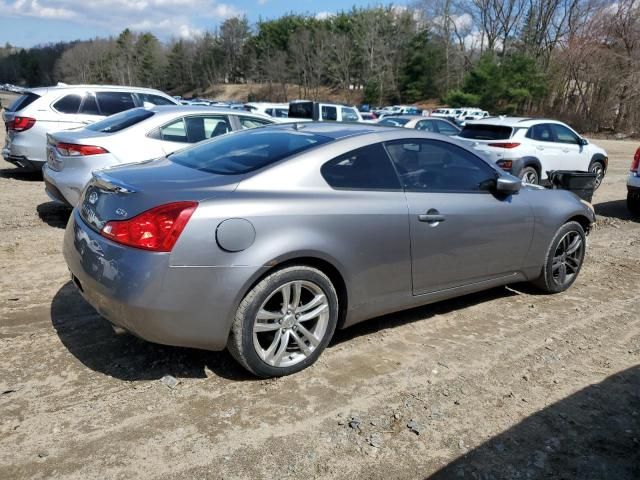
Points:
(578, 60)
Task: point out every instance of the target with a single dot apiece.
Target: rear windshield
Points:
(121, 120)
(23, 101)
(486, 132)
(246, 151)
(394, 122)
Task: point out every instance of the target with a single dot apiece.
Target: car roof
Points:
(514, 122)
(334, 130)
(195, 109)
(114, 88)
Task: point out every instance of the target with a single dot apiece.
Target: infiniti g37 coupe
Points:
(267, 240)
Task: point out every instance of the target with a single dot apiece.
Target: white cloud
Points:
(324, 15)
(262, 2)
(163, 17)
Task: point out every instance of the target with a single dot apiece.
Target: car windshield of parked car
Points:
(394, 122)
(120, 121)
(246, 151)
(486, 132)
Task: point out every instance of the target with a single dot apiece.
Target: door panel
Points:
(460, 232)
(573, 154)
(479, 237)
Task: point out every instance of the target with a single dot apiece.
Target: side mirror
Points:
(583, 142)
(508, 185)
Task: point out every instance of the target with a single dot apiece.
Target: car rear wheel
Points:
(564, 259)
(529, 175)
(285, 322)
(598, 169)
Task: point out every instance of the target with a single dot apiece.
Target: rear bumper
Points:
(23, 162)
(64, 187)
(141, 292)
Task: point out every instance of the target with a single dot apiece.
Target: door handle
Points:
(540, 148)
(565, 150)
(432, 216)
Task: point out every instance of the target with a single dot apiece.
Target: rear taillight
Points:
(504, 145)
(73, 150)
(20, 124)
(505, 164)
(635, 163)
(157, 229)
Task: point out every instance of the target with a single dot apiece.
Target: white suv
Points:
(530, 147)
(633, 184)
(39, 111)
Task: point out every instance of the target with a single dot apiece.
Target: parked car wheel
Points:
(284, 323)
(530, 175)
(598, 169)
(564, 259)
(633, 204)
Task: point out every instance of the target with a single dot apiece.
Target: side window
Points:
(431, 165)
(564, 135)
(446, 128)
(248, 122)
(425, 125)
(68, 104)
(114, 102)
(202, 127)
(154, 99)
(174, 132)
(366, 168)
(349, 115)
(541, 133)
(329, 113)
(89, 105)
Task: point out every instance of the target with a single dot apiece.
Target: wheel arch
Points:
(599, 157)
(583, 220)
(532, 162)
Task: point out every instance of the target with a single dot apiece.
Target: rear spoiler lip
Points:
(110, 184)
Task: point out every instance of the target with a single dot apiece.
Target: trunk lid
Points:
(121, 193)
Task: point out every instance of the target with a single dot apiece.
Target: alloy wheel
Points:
(291, 323)
(567, 258)
(530, 176)
(598, 169)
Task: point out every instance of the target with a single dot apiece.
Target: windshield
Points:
(394, 121)
(486, 132)
(121, 120)
(246, 151)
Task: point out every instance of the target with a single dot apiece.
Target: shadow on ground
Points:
(593, 434)
(615, 209)
(54, 214)
(91, 339)
(20, 174)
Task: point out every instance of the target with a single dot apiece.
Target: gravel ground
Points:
(503, 384)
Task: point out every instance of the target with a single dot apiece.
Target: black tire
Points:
(633, 203)
(531, 174)
(241, 339)
(597, 167)
(550, 278)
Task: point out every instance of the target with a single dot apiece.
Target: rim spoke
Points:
(301, 343)
(573, 264)
(297, 291)
(574, 245)
(313, 340)
(268, 353)
(286, 296)
(313, 313)
(282, 349)
(317, 300)
(267, 315)
(562, 274)
(259, 327)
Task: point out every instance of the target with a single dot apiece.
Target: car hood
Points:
(125, 191)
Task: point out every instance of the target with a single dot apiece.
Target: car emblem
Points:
(93, 198)
(121, 212)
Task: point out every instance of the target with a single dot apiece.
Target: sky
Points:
(26, 23)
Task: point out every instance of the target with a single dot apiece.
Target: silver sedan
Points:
(265, 241)
(132, 136)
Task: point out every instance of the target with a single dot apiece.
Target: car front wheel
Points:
(564, 259)
(285, 322)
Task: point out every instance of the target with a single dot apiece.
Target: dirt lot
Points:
(502, 384)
